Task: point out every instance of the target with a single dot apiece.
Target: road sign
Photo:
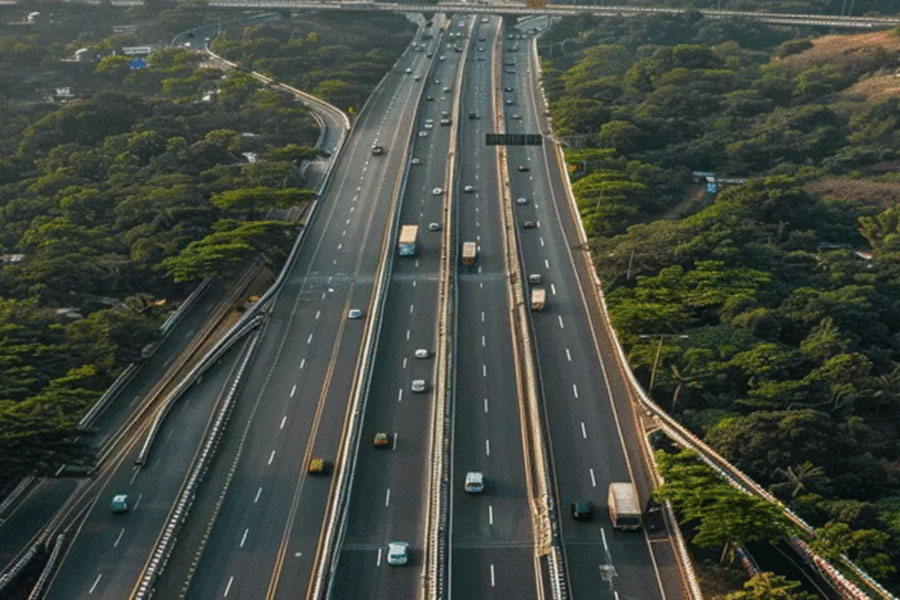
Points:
(514, 139)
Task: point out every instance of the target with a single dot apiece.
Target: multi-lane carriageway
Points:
(257, 531)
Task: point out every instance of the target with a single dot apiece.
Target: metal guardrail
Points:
(38, 590)
(165, 544)
(15, 493)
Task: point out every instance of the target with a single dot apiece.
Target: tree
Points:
(768, 586)
(253, 201)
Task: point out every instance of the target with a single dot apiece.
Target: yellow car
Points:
(316, 466)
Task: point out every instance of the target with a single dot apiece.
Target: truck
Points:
(406, 244)
(538, 297)
(624, 508)
(469, 252)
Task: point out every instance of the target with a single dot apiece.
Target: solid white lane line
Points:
(293, 389)
(387, 497)
(493, 582)
(561, 326)
(553, 289)
(271, 456)
(258, 493)
(96, 581)
(575, 390)
(378, 560)
(490, 514)
(302, 363)
(228, 586)
(244, 537)
(485, 405)
(583, 431)
(283, 419)
(119, 538)
(593, 479)
(487, 447)
(568, 355)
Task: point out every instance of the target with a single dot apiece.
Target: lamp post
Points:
(658, 351)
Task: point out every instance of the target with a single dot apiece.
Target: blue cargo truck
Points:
(407, 242)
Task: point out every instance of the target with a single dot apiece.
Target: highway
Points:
(263, 538)
(388, 493)
(491, 541)
(588, 415)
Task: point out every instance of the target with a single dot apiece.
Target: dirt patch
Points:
(872, 90)
(856, 54)
(881, 194)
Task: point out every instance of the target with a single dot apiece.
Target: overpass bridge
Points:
(520, 9)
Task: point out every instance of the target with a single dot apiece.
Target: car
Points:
(521, 200)
(446, 89)
(582, 511)
(382, 440)
(473, 115)
(509, 71)
(523, 168)
(397, 553)
(417, 78)
(429, 54)
(516, 117)
(416, 161)
(316, 466)
(445, 121)
(422, 352)
(509, 89)
(481, 48)
(429, 98)
(445, 113)
(482, 39)
(534, 278)
(474, 483)
(434, 226)
(441, 57)
(354, 313)
(423, 133)
(528, 225)
(653, 516)
(119, 503)
(437, 191)
(436, 80)
(377, 150)
(418, 386)
(429, 125)
(510, 101)
(468, 189)
(484, 19)
(480, 58)
(408, 70)
(429, 120)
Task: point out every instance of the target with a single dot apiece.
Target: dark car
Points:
(653, 516)
(523, 168)
(582, 511)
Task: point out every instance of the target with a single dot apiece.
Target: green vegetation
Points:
(146, 179)
(773, 304)
(323, 56)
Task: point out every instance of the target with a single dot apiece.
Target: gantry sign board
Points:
(514, 139)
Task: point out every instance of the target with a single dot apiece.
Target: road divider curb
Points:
(165, 543)
(539, 474)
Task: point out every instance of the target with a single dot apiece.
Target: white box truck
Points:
(624, 508)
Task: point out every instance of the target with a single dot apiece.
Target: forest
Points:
(114, 202)
(763, 315)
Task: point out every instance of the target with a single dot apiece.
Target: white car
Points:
(437, 191)
(468, 189)
(422, 353)
(521, 200)
(429, 125)
(354, 313)
(434, 226)
(408, 70)
(416, 161)
(397, 553)
(441, 57)
(446, 89)
(418, 386)
(423, 133)
(474, 482)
